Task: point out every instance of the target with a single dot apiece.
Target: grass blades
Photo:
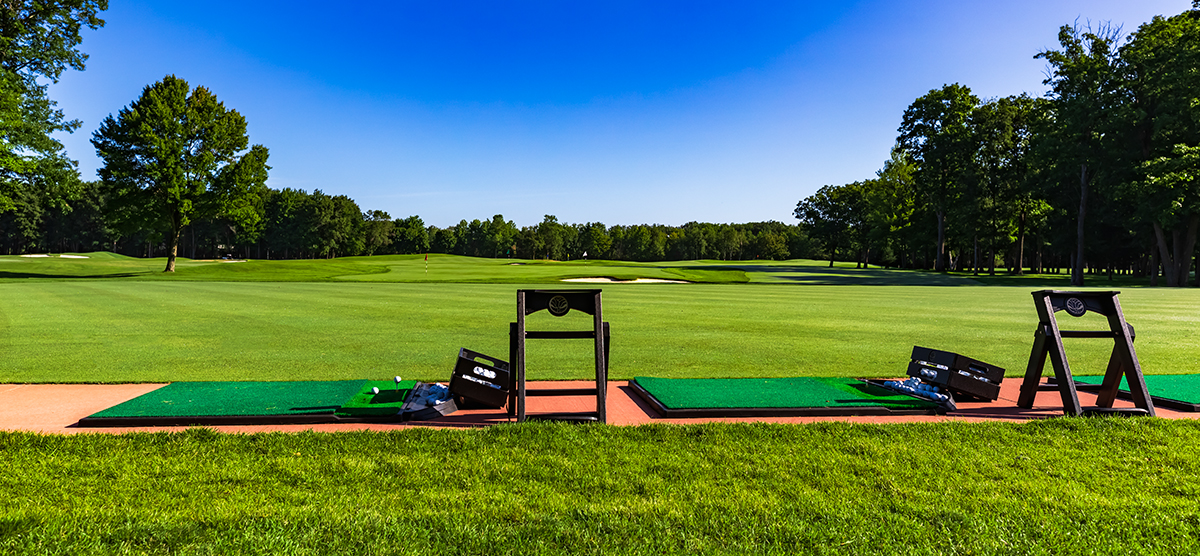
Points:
(1062, 486)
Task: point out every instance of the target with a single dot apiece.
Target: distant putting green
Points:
(150, 328)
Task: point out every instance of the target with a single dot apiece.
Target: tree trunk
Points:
(939, 264)
(1165, 256)
(1186, 249)
(976, 272)
(1154, 265)
(1021, 245)
(1077, 268)
(173, 240)
(172, 250)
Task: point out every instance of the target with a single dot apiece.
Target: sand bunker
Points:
(72, 256)
(33, 256)
(615, 281)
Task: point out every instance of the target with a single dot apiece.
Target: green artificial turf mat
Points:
(1185, 388)
(191, 399)
(387, 402)
(722, 393)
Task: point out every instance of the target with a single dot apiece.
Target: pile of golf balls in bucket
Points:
(916, 387)
(435, 394)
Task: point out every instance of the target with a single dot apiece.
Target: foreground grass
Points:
(1063, 486)
(131, 331)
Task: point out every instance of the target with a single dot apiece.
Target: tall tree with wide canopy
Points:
(38, 42)
(1163, 60)
(828, 214)
(893, 203)
(1004, 129)
(935, 131)
(176, 154)
(1087, 93)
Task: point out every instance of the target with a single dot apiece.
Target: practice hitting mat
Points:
(1178, 392)
(775, 397)
(246, 403)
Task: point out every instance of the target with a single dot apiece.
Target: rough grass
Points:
(1063, 486)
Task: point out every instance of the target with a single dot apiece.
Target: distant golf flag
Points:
(426, 263)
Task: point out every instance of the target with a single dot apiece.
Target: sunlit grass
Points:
(150, 328)
(1065, 486)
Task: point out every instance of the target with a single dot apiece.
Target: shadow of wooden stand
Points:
(558, 303)
(1048, 341)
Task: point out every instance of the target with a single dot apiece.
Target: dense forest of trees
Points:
(298, 224)
(1100, 176)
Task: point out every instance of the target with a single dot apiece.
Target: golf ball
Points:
(375, 390)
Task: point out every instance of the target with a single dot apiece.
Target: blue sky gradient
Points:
(610, 111)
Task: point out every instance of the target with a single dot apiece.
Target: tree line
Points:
(294, 224)
(1101, 175)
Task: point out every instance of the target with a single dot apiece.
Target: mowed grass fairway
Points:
(138, 325)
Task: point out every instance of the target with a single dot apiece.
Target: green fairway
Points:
(138, 329)
(449, 268)
(1062, 486)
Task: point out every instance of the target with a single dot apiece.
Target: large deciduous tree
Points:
(38, 43)
(1086, 94)
(176, 154)
(827, 215)
(936, 133)
(1162, 60)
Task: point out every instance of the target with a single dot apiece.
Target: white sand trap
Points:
(615, 281)
(35, 256)
(72, 256)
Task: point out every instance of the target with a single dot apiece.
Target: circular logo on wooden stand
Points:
(1075, 307)
(559, 306)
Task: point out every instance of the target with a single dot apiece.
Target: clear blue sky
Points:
(610, 111)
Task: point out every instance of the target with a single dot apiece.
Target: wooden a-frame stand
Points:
(559, 303)
(1048, 341)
